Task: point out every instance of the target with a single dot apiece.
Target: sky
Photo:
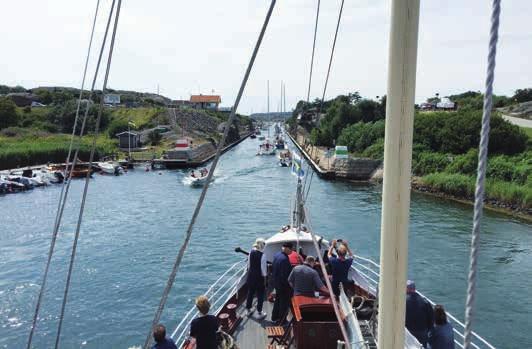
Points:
(200, 46)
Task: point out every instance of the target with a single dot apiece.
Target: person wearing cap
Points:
(340, 265)
(305, 280)
(419, 317)
(281, 269)
(257, 272)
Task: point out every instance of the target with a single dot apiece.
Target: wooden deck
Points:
(250, 332)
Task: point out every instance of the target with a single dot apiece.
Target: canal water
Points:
(134, 225)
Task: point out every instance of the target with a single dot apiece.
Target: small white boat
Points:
(266, 148)
(199, 178)
(109, 167)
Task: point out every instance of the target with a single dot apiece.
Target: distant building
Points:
(112, 99)
(210, 102)
(125, 139)
(446, 104)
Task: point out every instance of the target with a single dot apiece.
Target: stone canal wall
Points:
(361, 169)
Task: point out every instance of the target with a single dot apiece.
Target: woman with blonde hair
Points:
(256, 277)
(204, 327)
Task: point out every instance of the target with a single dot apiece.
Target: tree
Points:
(522, 95)
(154, 137)
(64, 116)
(8, 113)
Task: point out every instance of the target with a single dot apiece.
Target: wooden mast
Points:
(397, 172)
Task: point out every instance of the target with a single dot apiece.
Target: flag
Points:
(131, 123)
(297, 166)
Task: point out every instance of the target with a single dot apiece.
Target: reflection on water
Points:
(134, 225)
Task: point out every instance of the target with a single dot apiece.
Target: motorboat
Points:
(266, 148)
(109, 167)
(253, 136)
(198, 178)
(285, 158)
(279, 142)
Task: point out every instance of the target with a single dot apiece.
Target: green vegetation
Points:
(464, 186)
(445, 151)
(8, 113)
(22, 147)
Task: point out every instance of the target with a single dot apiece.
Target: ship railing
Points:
(370, 272)
(218, 293)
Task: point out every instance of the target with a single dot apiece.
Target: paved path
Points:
(518, 121)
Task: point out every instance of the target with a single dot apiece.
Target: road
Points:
(518, 121)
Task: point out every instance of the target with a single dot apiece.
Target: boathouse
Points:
(127, 139)
(210, 102)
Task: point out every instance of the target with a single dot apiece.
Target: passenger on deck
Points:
(204, 327)
(340, 265)
(441, 336)
(192, 174)
(419, 318)
(161, 342)
(257, 272)
(305, 280)
(295, 258)
(281, 269)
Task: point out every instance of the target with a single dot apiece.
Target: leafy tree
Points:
(8, 113)
(63, 116)
(45, 96)
(522, 95)
(429, 162)
(116, 126)
(154, 137)
(361, 135)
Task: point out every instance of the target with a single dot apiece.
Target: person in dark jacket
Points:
(281, 269)
(161, 342)
(204, 327)
(419, 317)
(442, 335)
(340, 265)
(257, 272)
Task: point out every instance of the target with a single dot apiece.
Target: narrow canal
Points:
(134, 224)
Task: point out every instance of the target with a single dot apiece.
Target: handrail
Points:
(231, 277)
(374, 283)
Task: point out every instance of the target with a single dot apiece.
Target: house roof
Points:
(205, 99)
(125, 133)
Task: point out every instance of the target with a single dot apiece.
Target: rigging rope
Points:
(326, 80)
(87, 179)
(327, 281)
(64, 193)
(221, 145)
(481, 172)
(313, 50)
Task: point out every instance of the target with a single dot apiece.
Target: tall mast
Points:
(402, 58)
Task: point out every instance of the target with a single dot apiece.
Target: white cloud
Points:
(204, 45)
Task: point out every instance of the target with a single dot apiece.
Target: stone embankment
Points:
(324, 163)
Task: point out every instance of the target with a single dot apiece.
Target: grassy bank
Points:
(33, 149)
(498, 192)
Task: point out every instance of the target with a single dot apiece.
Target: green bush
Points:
(430, 163)
(464, 164)
(463, 186)
(154, 137)
(361, 135)
(375, 151)
(8, 113)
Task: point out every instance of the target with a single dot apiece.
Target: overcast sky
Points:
(194, 46)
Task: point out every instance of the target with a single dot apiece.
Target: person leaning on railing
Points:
(204, 327)
(161, 341)
(441, 336)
